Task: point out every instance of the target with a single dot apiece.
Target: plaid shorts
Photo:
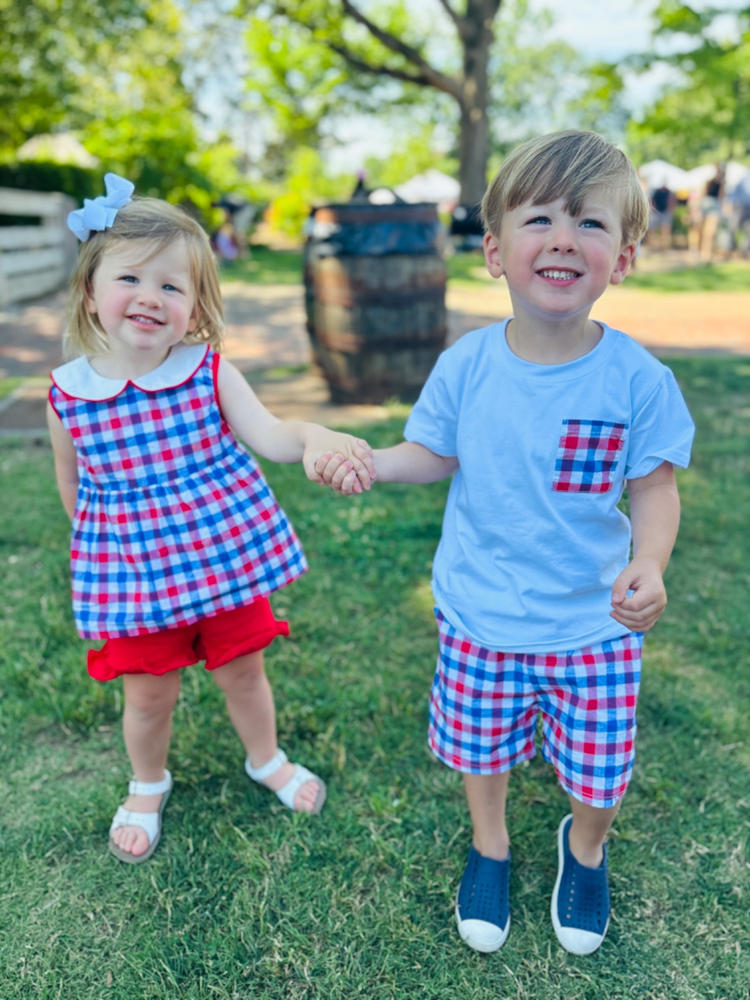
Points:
(484, 707)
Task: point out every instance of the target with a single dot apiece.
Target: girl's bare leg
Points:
(251, 708)
(147, 729)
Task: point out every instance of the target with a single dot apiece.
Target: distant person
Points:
(178, 541)
(663, 203)
(226, 240)
(740, 199)
(542, 421)
(710, 209)
(360, 192)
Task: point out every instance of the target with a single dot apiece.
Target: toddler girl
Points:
(177, 539)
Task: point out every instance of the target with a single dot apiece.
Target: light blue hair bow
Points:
(99, 213)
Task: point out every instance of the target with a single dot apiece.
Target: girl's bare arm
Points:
(66, 464)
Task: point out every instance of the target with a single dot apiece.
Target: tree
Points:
(389, 48)
(44, 48)
(113, 72)
(431, 63)
(705, 114)
(141, 122)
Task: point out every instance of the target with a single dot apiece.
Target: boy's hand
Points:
(321, 445)
(341, 474)
(642, 609)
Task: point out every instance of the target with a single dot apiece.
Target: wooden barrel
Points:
(375, 298)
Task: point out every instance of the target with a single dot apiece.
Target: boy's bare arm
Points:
(407, 462)
(655, 518)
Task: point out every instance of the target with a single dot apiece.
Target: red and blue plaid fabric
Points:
(174, 521)
(485, 704)
(587, 455)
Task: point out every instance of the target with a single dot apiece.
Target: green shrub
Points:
(31, 175)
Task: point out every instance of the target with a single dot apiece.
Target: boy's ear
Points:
(622, 264)
(492, 257)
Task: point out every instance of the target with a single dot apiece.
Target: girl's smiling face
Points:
(144, 301)
(556, 264)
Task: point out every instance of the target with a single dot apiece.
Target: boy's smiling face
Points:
(556, 264)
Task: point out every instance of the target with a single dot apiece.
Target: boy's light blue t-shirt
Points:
(532, 537)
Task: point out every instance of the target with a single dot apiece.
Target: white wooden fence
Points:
(34, 259)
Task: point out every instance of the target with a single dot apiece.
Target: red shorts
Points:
(217, 640)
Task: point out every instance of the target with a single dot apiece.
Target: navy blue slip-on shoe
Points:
(483, 902)
(580, 900)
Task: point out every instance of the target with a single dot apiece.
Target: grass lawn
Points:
(728, 276)
(243, 899)
(285, 267)
(262, 265)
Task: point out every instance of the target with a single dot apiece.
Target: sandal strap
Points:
(261, 773)
(145, 821)
(136, 787)
(288, 792)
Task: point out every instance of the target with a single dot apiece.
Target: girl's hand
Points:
(339, 472)
(642, 609)
(324, 448)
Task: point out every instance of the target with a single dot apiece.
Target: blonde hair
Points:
(567, 165)
(159, 224)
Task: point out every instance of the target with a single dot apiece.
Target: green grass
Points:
(285, 267)
(728, 276)
(246, 900)
(9, 385)
(265, 266)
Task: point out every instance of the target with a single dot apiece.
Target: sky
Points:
(607, 30)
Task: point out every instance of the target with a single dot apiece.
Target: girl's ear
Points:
(90, 301)
(622, 264)
(492, 257)
(193, 321)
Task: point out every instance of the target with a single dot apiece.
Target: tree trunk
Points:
(473, 153)
(476, 30)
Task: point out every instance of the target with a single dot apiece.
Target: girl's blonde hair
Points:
(567, 165)
(158, 224)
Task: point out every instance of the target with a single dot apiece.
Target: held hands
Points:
(340, 461)
(642, 609)
(343, 474)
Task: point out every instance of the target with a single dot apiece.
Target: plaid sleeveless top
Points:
(174, 520)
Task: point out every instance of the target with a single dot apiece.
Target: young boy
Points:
(543, 420)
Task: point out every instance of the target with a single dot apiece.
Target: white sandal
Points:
(288, 792)
(150, 822)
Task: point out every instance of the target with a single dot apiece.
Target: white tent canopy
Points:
(61, 147)
(699, 176)
(432, 185)
(658, 172)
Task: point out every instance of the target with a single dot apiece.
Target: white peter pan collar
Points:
(78, 379)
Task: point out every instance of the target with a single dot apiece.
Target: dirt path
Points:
(265, 329)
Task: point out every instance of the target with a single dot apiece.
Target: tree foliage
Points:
(45, 46)
(479, 65)
(705, 114)
(112, 72)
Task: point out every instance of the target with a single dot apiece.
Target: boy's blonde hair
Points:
(159, 224)
(567, 165)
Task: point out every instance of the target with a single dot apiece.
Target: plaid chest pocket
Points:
(587, 456)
